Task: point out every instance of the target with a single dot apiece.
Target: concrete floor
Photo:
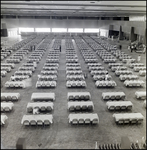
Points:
(62, 135)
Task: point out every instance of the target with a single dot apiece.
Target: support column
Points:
(133, 36)
(120, 33)
(110, 34)
(4, 32)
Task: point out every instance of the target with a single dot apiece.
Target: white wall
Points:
(72, 23)
(44, 23)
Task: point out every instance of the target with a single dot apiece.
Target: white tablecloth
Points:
(139, 68)
(84, 116)
(14, 83)
(3, 119)
(23, 72)
(94, 64)
(96, 68)
(89, 103)
(115, 64)
(120, 68)
(73, 68)
(27, 68)
(105, 94)
(50, 68)
(46, 84)
(130, 77)
(119, 72)
(136, 65)
(128, 116)
(6, 69)
(72, 64)
(7, 104)
(50, 72)
(105, 83)
(98, 72)
(74, 77)
(78, 94)
(42, 96)
(101, 77)
(43, 77)
(12, 65)
(134, 82)
(119, 103)
(75, 83)
(40, 104)
(17, 95)
(21, 77)
(37, 117)
(74, 72)
(140, 94)
(142, 72)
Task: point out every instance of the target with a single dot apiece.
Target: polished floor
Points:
(62, 135)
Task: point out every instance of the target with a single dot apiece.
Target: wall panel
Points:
(139, 31)
(116, 27)
(126, 29)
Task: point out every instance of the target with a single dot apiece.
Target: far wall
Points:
(140, 26)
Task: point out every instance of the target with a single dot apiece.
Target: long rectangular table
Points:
(140, 94)
(12, 84)
(132, 65)
(23, 73)
(5, 105)
(103, 83)
(12, 65)
(138, 68)
(78, 95)
(43, 96)
(75, 77)
(142, 72)
(3, 119)
(37, 118)
(122, 117)
(40, 104)
(129, 77)
(84, 116)
(120, 104)
(101, 77)
(123, 72)
(46, 84)
(113, 95)
(10, 96)
(80, 104)
(134, 83)
(77, 83)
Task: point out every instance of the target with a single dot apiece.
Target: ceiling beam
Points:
(67, 4)
(83, 10)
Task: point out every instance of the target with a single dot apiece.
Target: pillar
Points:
(4, 32)
(133, 36)
(110, 34)
(120, 33)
